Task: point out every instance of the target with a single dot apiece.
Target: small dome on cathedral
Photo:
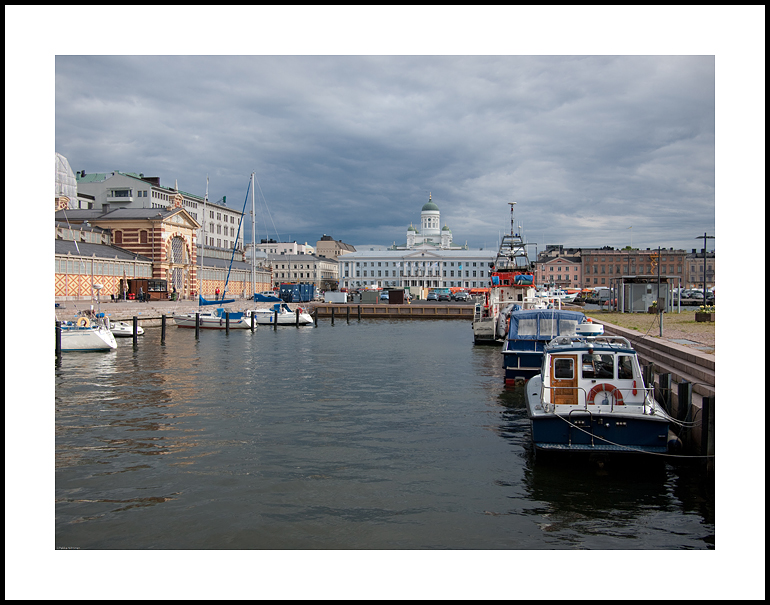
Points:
(447, 229)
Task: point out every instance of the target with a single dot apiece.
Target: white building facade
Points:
(416, 269)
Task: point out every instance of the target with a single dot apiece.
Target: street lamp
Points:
(705, 237)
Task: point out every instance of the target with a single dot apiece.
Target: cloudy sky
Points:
(353, 146)
(599, 148)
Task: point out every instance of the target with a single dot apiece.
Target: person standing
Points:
(216, 295)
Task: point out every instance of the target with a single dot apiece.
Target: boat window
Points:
(598, 366)
(527, 327)
(625, 366)
(548, 327)
(567, 327)
(562, 368)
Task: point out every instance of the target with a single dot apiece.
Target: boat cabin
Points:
(591, 371)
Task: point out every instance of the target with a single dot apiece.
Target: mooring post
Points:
(58, 339)
(359, 312)
(197, 325)
(227, 322)
(347, 308)
(665, 391)
(707, 427)
(253, 317)
(685, 400)
(332, 308)
(163, 328)
(296, 321)
(136, 322)
(275, 320)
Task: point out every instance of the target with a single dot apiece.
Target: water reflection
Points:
(371, 434)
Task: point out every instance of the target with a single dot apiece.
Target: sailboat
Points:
(217, 319)
(91, 331)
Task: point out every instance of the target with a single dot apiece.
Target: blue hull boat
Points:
(528, 333)
(591, 397)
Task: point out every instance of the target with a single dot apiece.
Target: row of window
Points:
(219, 216)
(425, 283)
(101, 267)
(408, 273)
(219, 229)
(414, 264)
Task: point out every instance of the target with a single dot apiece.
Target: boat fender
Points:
(83, 322)
(605, 387)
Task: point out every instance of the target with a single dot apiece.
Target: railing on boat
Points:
(648, 395)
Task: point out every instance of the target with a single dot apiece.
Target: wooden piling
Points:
(665, 391)
(58, 339)
(707, 428)
(684, 404)
(197, 325)
(136, 325)
(163, 328)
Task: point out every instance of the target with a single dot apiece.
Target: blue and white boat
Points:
(87, 334)
(280, 314)
(590, 397)
(528, 332)
(216, 319)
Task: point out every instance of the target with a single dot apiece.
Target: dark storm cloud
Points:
(354, 145)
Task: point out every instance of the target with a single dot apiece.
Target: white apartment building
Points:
(113, 190)
(304, 269)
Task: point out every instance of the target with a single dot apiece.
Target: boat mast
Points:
(203, 242)
(253, 241)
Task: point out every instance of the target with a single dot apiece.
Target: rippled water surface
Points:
(360, 435)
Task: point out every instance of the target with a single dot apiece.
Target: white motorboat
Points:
(123, 329)
(216, 319)
(280, 314)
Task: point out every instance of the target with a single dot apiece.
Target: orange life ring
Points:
(605, 387)
(83, 322)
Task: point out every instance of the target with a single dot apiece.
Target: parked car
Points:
(384, 296)
(462, 296)
(432, 296)
(444, 296)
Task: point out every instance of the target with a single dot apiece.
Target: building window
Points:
(118, 237)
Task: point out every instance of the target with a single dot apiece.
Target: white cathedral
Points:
(431, 235)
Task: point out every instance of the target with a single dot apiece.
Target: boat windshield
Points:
(598, 366)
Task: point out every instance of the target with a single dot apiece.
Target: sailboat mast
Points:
(203, 231)
(253, 241)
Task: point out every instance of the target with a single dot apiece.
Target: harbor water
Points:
(358, 435)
